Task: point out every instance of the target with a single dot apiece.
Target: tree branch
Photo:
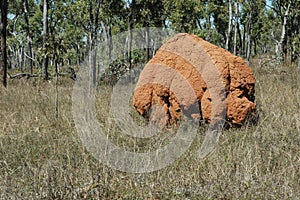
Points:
(21, 75)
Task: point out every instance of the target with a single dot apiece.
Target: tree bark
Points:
(229, 25)
(92, 64)
(22, 58)
(107, 39)
(283, 39)
(130, 27)
(249, 38)
(29, 40)
(147, 38)
(45, 40)
(4, 8)
(235, 26)
(94, 21)
(241, 43)
(56, 86)
(130, 46)
(244, 49)
(299, 65)
(255, 46)
(295, 33)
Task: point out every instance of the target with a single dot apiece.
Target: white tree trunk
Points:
(147, 35)
(107, 39)
(45, 38)
(92, 65)
(249, 38)
(283, 31)
(29, 40)
(229, 25)
(236, 25)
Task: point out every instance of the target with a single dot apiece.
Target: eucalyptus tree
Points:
(4, 8)
(268, 32)
(288, 13)
(85, 15)
(184, 16)
(207, 19)
(152, 14)
(228, 36)
(252, 13)
(294, 33)
(18, 34)
(28, 35)
(236, 24)
(45, 39)
(218, 10)
(97, 20)
(132, 12)
(282, 8)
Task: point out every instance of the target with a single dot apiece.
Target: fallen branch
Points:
(71, 73)
(21, 75)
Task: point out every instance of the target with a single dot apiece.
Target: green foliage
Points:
(138, 56)
(219, 12)
(210, 35)
(184, 15)
(150, 13)
(77, 24)
(296, 45)
(114, 72)
(119, 68)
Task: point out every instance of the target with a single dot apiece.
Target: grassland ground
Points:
(42, 157)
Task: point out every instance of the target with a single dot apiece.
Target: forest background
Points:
(43, 34)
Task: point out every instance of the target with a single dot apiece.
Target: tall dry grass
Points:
(41, 156)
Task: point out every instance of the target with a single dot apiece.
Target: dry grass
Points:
(41, 156)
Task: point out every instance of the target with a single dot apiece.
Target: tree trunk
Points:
(299, 65)
(295, 33)
(236, 26)
(78, 53)
(94, 20)
(147, 35)
(244, 41)
(130, 46)
(130, 27)
(4, 8)
(229, 25)
(110, 42)
(56, 85)
(241, 43)
(153, 48)
(22, 63)
(45, 40)
(29, 40)
(255, 46)
(248, 48)
(283, 39)
(249, 38)
(107, 39)
(92, 64)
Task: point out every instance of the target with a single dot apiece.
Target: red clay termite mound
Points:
(176, 79)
